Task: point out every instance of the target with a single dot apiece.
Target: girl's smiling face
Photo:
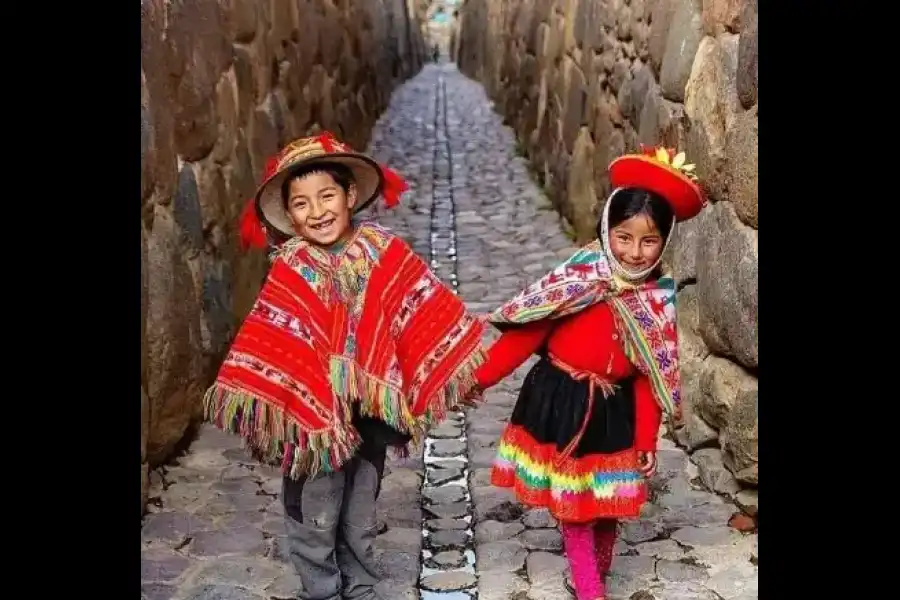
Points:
(636, 242)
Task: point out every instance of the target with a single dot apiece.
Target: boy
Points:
(352, 346)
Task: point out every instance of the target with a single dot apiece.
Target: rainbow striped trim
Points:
(625, 483)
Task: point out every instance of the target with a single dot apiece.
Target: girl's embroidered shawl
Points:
(370, 325)
(645, 314)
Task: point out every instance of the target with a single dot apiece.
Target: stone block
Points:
(227, 110)
(286, 24)
(660, 21)
(727, 271)
(187, 213)
(694, 432)
(200, 52)
(245, 79)
(690, 344)
(241, 19)
(686, 245)
(722, 16)
(211, 194)
(721, 382)
(711, 104)
(263, 140)
(633, 93)
(713, 472)
(740, 438)
(661, 121)
(684, 35)
(173, 366)
(742, 165)
(581, 194)
(748, 61)
(575, 102)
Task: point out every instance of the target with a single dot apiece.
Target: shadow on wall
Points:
(585, 81)
(223, 85)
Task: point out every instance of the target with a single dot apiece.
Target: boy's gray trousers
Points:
(331, 527)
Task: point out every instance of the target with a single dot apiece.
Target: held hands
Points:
(472, 399)
(647, 462)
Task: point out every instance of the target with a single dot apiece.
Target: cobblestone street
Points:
(214, 528)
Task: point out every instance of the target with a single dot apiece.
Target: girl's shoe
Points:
(571, 588)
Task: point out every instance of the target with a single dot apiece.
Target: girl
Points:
(582, 437)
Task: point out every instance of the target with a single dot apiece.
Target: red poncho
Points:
(369, 325)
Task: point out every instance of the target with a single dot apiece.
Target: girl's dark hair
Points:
(630, 202)
(341, 174)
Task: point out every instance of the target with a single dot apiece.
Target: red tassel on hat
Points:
(271, 167)
(252, 233)
(327, 140)
(394, 186)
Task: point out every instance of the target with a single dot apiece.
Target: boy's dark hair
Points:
(341, 174)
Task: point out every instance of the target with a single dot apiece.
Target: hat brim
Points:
(638, 171)
(367, 176)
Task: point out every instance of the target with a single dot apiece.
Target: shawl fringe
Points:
(453, 392)
(380, 400)
(275, 438)
(375, 398)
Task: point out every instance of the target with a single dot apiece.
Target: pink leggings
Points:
(589, 548)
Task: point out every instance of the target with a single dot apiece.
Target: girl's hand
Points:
(471, 399)
(647, 462)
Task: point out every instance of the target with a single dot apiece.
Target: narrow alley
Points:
(214, 528)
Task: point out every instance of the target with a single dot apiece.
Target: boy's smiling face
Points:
(319, 208)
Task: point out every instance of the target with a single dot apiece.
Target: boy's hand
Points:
(471, 399)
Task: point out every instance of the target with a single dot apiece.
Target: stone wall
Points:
(223, 85)
(584, 81)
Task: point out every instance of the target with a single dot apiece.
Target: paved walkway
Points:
(215, 531)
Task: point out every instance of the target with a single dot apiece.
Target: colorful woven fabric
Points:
(368, 325)
(575, 490)
(645, 314)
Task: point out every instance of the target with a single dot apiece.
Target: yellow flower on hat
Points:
(668, 157)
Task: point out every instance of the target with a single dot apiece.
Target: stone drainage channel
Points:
(448, 548)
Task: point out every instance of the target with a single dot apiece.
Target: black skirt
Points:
(552, 407)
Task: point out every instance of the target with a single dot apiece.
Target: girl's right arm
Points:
(511, 350)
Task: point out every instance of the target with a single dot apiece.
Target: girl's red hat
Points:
(664, 172)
